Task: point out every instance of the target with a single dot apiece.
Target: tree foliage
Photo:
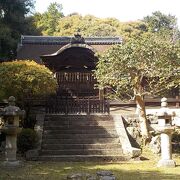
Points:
(158, 21)
(48, 20)
(163, 25)
(133, 29)
(20, 78)
(91, 26)
(147, 62)
(27, 139)
(87, 25)
(13, 23)
(142, 66)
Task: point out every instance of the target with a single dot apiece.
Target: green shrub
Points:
(2, 139)
(24, 77)
(176, 141)
(29, 122)
(27, 140)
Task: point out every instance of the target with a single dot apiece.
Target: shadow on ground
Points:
(137, 170)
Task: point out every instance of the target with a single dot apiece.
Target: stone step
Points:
(78, 123)
(80, 131)
(74, 127)
(84, 158)
(116, 151)
(81, 146)
(78, 117)
(80, 141)
(80, 136)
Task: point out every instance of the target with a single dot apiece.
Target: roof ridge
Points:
(28, 39)
(70, 36)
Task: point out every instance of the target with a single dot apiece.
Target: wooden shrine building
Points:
(72, 59)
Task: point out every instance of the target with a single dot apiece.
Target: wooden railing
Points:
(76, 84)
(63, 77)
(76, 106)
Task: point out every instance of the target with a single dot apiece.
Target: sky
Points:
(124, 10)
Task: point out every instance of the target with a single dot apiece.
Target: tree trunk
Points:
(144, 126)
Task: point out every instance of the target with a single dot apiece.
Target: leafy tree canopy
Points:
(148, 63)
(87, 25)
(164, 25)
(13, 23)
(133, 29)
(91, 26)
(158, 21)
(142, 66)
(161, 24)
(48, 20)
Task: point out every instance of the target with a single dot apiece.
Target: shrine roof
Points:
(63, 40)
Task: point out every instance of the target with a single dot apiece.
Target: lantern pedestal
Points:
(165, 129)
(166, 147)
(11, 116)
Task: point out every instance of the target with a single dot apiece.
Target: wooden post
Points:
(88, 107)
(101, 94)
(177, 103)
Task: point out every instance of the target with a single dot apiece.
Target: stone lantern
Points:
(165, 129)
(11, 116)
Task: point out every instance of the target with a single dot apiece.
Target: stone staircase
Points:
(80, 138)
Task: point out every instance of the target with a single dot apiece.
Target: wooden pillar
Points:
(101, 94)
(177, 103)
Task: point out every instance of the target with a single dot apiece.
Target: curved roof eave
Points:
(69, 46)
